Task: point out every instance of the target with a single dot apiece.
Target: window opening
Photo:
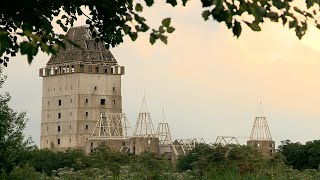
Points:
(81, 68)
(102, 101)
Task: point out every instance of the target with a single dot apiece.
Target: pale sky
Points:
(209, 82)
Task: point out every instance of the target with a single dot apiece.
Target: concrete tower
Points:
(79, 83)
(260, 136)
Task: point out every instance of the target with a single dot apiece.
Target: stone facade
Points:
(76, 91)
(141, 144)
(266, 148)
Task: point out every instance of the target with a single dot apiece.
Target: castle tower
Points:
(260, 136)
(79, 83)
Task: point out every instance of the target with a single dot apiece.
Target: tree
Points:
(31, 20)
(301, 156)
(149, 165)
(12, 142)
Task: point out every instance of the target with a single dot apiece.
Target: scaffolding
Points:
(163, 132)
(183, 146)
(112, 126)
(260, 130)
(226, 140)
(144, 126)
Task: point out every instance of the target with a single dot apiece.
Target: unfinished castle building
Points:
(82, 107)
(79, 83)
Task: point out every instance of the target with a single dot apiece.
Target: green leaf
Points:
(29, 49)
(170, 29)
(254, 26)
(149, 2)
(126, 28)
(310, 3)
(24, 47)
(172, 2)
(133, 36)
(161, 29)
(164, 39)
(139, 7)
(292, 24)
(166, 22)
(207, 3)
(273, 16)
(27, 28)
(279, 4)
(137, 27)
(153, 38)
(184, 2)
(144, 27)
(284, 19)
(45, 48)
(206, 14)
(237, 29)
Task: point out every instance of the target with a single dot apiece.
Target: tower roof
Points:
(89, 52)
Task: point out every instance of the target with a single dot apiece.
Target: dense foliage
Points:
(27, 26)
(12, 123)
(301, 156)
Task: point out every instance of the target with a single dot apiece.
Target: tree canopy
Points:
(12, 140)
(302, 156)
(27, 26)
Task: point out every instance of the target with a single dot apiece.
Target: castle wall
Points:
(71, 106)
(141, 144)
(267, 148)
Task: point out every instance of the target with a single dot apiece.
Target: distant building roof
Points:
(90, 52)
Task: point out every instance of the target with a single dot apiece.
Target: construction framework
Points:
(144, 126)
(226, 140)
(163, 131)
(183, 146)
(164, 135)
(260, 130)
(112, 126)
